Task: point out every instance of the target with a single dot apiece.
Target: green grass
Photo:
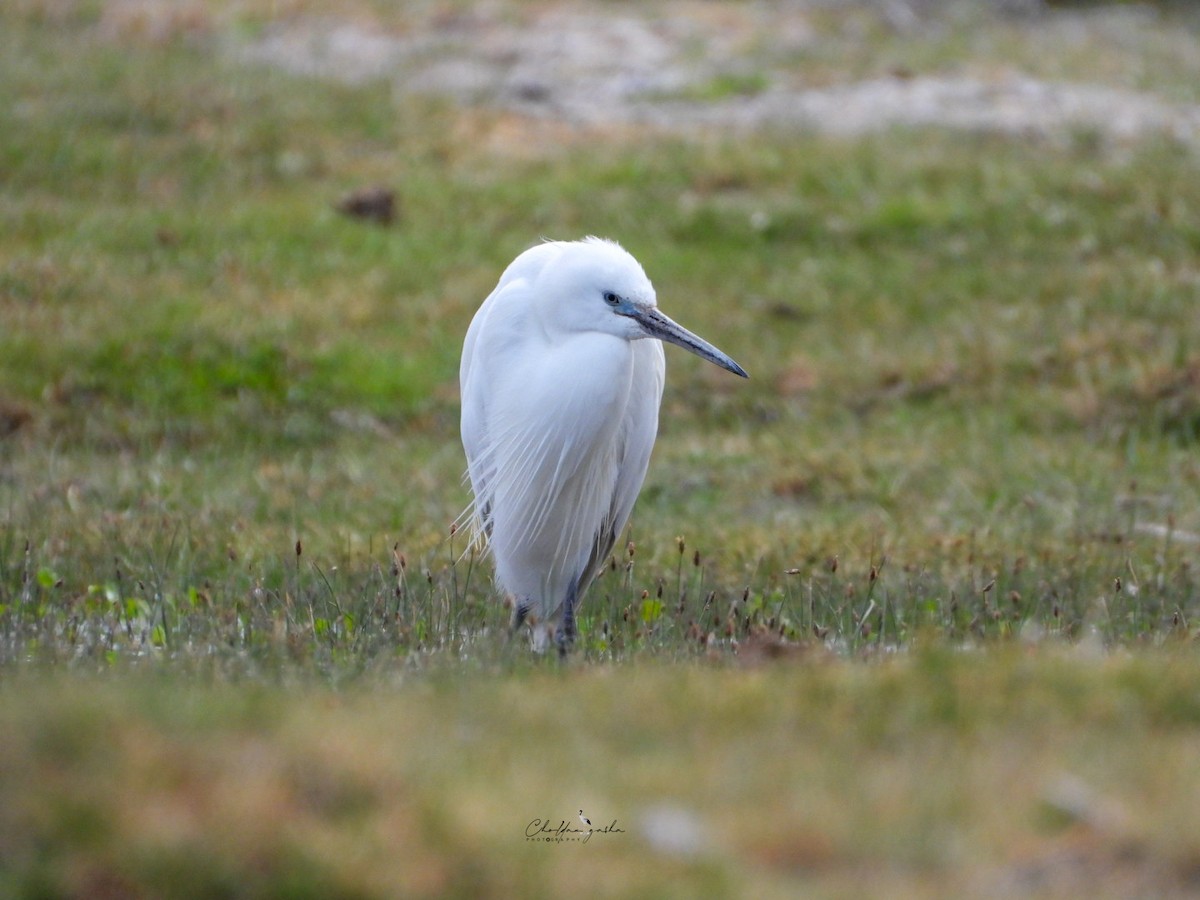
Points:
(957, 504)
(933, 774)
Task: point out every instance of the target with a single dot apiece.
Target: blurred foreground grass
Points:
(939, 773)
(237, 652)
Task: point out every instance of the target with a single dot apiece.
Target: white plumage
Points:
(560, 397)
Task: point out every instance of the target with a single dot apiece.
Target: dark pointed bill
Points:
(659, 325)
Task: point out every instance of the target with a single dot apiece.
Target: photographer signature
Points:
(551, 832)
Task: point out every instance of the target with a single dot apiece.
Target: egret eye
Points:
(611, 299)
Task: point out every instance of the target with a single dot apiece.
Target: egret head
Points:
(595, 285)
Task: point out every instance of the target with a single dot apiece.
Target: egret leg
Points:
(520, 611)
(566, 631)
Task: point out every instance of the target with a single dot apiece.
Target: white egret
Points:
(562, 375)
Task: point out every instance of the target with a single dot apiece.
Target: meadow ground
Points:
(910, 612)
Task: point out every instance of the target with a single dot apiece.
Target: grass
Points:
(913, 610)
(939, 772)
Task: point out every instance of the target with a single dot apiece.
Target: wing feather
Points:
(483, 353)
(641, 428)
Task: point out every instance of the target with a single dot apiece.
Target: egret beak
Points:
(659, 325)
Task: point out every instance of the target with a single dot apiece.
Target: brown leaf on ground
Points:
(373, 204)
(763, 646)
(13, 417)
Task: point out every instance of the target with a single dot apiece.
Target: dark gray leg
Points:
(566, 631)
(519, 613)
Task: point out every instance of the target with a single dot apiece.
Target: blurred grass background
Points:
(229, 462)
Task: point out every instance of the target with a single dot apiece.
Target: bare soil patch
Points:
(689, 66)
